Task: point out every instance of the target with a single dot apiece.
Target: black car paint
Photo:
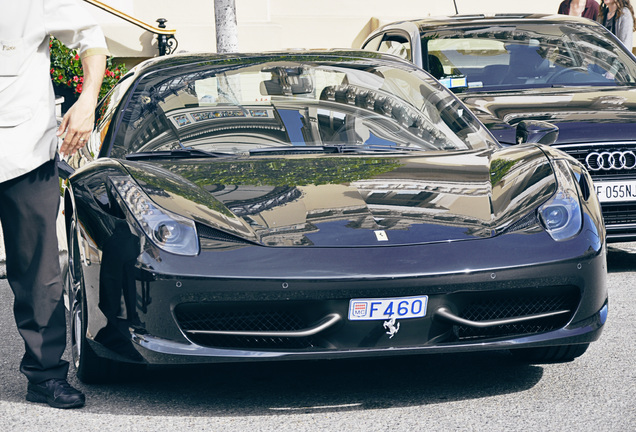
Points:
(133, 290)
(593, 117)
(134, 285)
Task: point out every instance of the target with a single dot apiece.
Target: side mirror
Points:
(536, 131)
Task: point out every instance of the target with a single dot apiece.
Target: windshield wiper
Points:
(330, 149)
(176, 154)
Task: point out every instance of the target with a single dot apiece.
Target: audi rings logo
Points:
(614, 160)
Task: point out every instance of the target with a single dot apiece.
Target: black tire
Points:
(550, 354)
(90, 368)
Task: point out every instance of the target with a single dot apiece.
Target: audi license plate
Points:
(387, 308)
(615, 191)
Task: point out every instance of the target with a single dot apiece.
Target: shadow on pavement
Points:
(621, 257)
(314, 386)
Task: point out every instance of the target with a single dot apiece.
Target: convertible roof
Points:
(183, 59)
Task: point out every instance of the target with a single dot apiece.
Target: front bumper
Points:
(160, 351)
(155, 326)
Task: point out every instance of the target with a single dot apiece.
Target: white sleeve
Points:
(73, 25)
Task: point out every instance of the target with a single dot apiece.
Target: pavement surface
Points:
(462, 392)
(3, 257)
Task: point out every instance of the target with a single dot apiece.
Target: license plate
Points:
(387, 308)
(615, 191)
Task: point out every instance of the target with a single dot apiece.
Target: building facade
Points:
(269, 25)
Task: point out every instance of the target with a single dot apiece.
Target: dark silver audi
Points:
(522, 74)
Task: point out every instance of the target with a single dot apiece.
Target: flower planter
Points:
(67, 73)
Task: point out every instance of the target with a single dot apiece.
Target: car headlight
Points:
(168, 231)
(561, 214)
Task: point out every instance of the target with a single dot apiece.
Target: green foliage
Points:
(284, 172)
(499, 169)
(66, 69)
(191, 180)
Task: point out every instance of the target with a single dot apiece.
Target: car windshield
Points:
(527, 55)
(241, 106)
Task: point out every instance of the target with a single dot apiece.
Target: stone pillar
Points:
(226, 26)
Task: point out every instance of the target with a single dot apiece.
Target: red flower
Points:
(66, 62)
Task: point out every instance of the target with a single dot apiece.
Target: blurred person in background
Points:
(618, 17)
(581, 8)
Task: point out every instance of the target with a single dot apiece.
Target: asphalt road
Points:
(596, 392)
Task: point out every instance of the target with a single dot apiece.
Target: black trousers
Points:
(28, 211)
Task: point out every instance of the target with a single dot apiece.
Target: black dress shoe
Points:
(56, 392)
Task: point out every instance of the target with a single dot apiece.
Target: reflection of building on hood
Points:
(275, 197)
(422, 200)
(614, 101)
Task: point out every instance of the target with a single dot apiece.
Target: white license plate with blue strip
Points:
(387, 308)
(615, 191)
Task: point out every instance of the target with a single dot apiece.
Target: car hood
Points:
(344, 201)
(585, 115)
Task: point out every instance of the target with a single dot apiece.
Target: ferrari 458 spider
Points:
(314, 205)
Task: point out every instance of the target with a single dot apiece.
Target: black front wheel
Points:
(90, 368)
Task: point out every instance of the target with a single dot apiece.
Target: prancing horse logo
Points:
(391, 327)
(380, 235)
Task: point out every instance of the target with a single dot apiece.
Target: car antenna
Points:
(455, 3)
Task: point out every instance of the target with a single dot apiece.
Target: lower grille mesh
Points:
(194, 317)
(498, 308)
(236, 321)
(274, 316)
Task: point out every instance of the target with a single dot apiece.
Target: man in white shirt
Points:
(29, 188)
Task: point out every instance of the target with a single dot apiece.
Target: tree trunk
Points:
(226, 27)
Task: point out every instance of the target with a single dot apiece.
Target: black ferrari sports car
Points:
(568, 71)
(319, 205)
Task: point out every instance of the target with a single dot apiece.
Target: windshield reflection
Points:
(527, 55)
(283, 103)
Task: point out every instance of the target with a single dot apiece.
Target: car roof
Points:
(183, 59)
(495, 19)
